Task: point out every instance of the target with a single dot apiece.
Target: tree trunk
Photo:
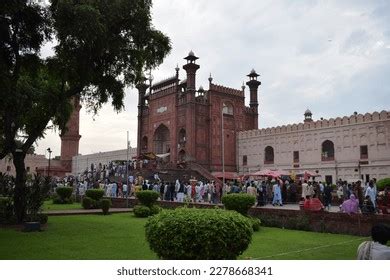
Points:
(20, 186)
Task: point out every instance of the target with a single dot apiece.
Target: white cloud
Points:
(309, 55)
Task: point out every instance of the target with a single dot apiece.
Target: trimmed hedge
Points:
(87, 203)
(64, 195)
(240, 202)
(95, 194)
(154, 209)
(147, 198)
(255, 223)
(382, 184)
(142, 211)
(105, 204)
(198, 234)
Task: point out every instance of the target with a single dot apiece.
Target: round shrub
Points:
(240, 202)
(95, 194)
(255, 223)
(64, 194)
(105, 204)
(198, 234)
(87, 203)
(142, 211)
(382, 184)
(154, 209)
(147, 198)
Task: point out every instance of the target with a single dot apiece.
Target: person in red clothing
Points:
(313, 204)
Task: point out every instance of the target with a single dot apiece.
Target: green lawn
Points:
(121, 236)
(49, 206)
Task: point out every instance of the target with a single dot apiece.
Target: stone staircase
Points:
(203, 171)
(170, 174)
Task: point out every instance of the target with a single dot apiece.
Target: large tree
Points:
(102, 47)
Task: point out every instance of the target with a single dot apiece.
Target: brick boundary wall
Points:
(356, 224)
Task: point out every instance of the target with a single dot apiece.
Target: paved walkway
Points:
(84, 211)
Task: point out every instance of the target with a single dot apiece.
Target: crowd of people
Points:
(311, 195)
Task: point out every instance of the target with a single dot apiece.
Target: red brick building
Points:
(177, 118)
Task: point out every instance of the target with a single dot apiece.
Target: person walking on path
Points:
(277, 194)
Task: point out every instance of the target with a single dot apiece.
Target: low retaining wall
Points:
(356, 224)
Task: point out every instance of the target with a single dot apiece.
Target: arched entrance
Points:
(161, 139)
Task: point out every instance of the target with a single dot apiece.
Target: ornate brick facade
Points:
(176, 118)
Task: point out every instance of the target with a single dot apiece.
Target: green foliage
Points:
(6, 210)
(36, 194)
(255, 223)
(105, 204)
(198, 234)
(154, 209)
(382, 184)
(95, 194)
(147, 198)
(64, 195)
(87, 202)
(240, 202)
(101, 49)
(142, 211)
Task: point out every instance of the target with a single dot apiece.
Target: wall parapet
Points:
(325, 123)
(226, 90)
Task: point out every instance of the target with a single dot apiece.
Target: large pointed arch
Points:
(161, 140)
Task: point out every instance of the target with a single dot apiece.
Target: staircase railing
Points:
(203, 171)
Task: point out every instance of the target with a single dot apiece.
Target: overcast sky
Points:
(332, 57)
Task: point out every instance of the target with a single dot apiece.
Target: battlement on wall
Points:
(248, 110)
(163, 91)
(337, 122)
(226, 90)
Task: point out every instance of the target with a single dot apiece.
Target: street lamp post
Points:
(48, 170)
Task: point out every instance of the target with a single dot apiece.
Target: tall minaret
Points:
(191, 67)
(253, 84)
(71, 137)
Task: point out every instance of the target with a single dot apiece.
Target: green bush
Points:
(36, 194)
(105, 204)
(6, 209)
(147, 198)
(95, 194)
(255, 223)
(154, 209)
(198, 234)
(382, 184)
(87, 203)
(64, 193)
(142, 211)
(240, 202)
